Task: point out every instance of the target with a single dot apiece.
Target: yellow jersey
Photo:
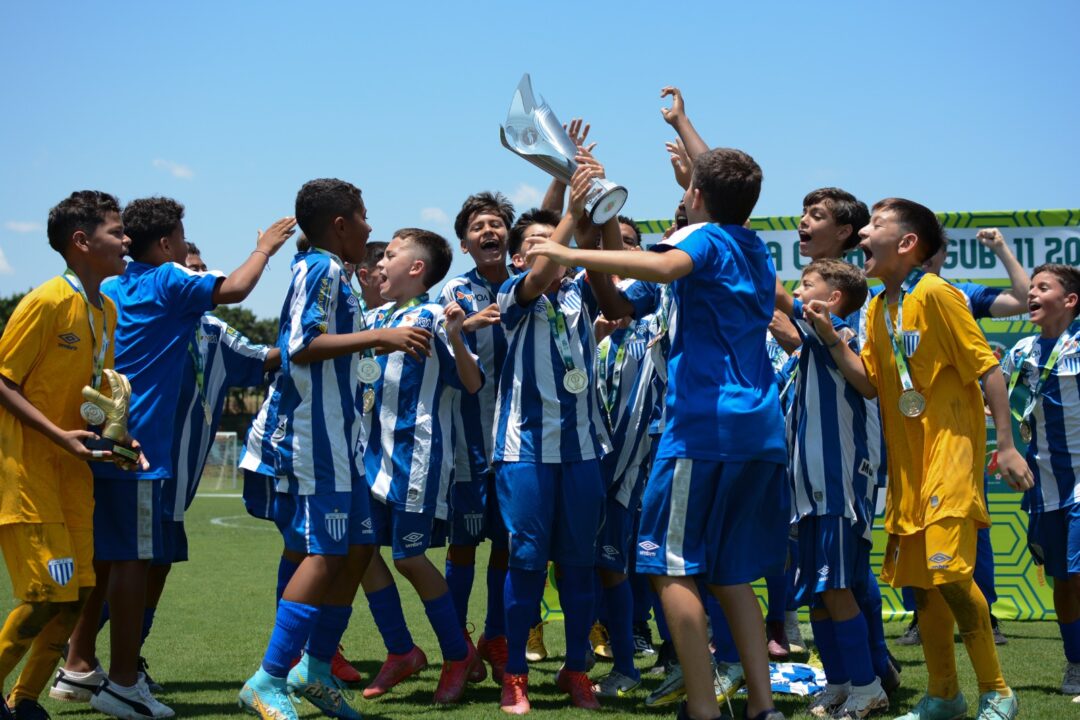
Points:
(48, 349)
(936, 460)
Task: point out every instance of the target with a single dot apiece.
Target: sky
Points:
(231, 107)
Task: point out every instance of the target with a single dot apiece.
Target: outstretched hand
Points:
(681, 163)
(677, 112)
(276, 235)
(578, 131)
(556, 252)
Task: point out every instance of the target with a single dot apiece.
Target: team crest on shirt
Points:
(1070, 365)
(636, 348)
(337, 524)
(911, 342)
(62, 570)
(571, 302)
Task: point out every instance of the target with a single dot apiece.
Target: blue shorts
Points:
(467, 524)
(127, 519)
(614, 543)
(1054, 541)
(831, 556)
(174, 545)
(407, 534)
(259, 495)
(552, 511)
(727, 521)
(325, 524)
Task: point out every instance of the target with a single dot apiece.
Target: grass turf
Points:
(218, 610)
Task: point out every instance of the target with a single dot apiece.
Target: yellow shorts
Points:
(48, 562)
(941, 553)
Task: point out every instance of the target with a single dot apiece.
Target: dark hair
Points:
(147, 220)
(435, 247)
(536, 216)
(320, 201)
(842, 276)
(302, 243)
(1067, 275)
(730, 182)
(373, 253)
(630, 221)
(495, 203)
(845, 209)
(193, 249)
(917, 219)
(81, 210)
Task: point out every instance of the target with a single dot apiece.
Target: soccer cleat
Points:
(999, 636)
(580, 688)
(935, 708)
(778, 642)
(727, 679)
(863, 701)
(670, 691)
(455, 673)
(144, 668)
(265, 696)
(343, 669)
(614, 684)
(74, 686)
(478, 671)
(1070, 684)
(995, 706)
(395, 669)
(830, 700)
(643, 644)
(665, 659)
(911, 635)
(312, 680)
(600, 641)
(515, 694)
(27, 709)
(495, 654)
(796, 644)
(534, 647)
(129, 703)
(5, 711)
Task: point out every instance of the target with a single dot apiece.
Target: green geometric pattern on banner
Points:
(989, 218)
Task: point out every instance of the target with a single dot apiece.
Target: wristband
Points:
(832, 345)
(267, 257)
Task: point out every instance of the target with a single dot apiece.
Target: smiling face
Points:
(485, 239)
(819, 235)
(400, 272)
(1048, 301)
(813, 287)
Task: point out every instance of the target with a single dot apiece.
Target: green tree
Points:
(7, 306)
(263, 331)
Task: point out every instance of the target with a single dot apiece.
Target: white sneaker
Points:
(796, 644)
(863, 701)
(72, 686)
(827, 702)
(1070, 684)
(129, 703)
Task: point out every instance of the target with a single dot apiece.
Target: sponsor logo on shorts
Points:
(823, 572)
(412, 539)
(337, 524)
(648, 548)
(610, 552)
(62, 570)
(366, 525)
(939, 561)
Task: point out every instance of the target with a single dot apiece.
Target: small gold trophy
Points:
(110, 411)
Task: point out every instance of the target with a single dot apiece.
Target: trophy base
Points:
(605, 201)
(116, 448)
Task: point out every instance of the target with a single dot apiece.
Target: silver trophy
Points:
(533, 132)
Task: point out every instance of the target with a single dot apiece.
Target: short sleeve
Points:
(643, 295)
(704, 252)
(444, 352)
(588, 297)
(511, 312)
(979, 297)
(314, 298)
(869, 357)
(187, 293)
(244, 360)
(25, 337)
(967, 348)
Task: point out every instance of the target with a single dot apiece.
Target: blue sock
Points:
(832, 659)
(1070, 636)
(326, 634)
(907, 595)
(639, 586)
(851, 639)
(868, 597)
(524, 590)
(495, 622)
(619, 601)
(292, 625)
(661, 620)
(285, 570)
(443, 618)
(776, 586)
(460, 579)
(389, 618)
(721, 632)
(576, 595)
(147, 622)
(104, 616)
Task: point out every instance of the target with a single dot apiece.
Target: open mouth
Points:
(1033, 306)
(804, 237)
(490, 245)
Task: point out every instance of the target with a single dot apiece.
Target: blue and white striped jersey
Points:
(537, 419)
(875, 447)
(829, 466)
(258, 453)
(474, 418)
(312, 408)
(1054, 451)
(225, 359)
(409, 453)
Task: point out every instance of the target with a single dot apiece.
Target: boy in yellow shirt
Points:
(924, 358)
(58, 340)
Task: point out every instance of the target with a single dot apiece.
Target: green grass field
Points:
(218, 609)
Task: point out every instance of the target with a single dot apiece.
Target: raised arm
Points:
(676, 117)
(241, 281)
(612, 302)
(850, 364)
(1014, 300)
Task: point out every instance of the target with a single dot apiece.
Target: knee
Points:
(408, 567)
(38, 616)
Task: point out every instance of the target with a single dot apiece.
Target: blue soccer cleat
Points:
(265, 696)
(312, 680)
(935, 708)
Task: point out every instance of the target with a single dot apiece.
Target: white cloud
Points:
(5, 266)
(525, 197)
(175, 169)
(435, 215)
(24, 226)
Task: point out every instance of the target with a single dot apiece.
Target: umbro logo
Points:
(648, 548)
(366, 525)
(823, 572)
(412, 539)
(939, 561)
(610, 551)
(70, 338)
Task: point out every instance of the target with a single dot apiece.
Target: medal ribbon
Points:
(557, 321)
(200, 375)
(99, 350)
(1059, 347)
(895, 335)
(791, 379)
(609, 398)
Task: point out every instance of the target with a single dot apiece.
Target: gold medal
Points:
(369, 400)
(1025, 431)
(912, 403)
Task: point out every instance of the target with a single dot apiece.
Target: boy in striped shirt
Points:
(1048, 367)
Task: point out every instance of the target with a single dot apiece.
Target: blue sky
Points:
(230, 107)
